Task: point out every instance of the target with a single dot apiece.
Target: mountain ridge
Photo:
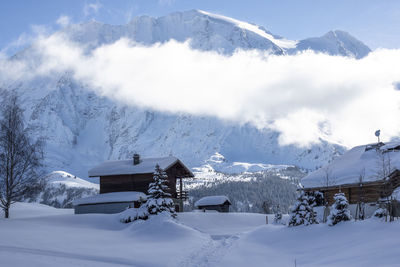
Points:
(206, 28)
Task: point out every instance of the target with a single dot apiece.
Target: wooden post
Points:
(180, 185)
(266, 219)
(181, 197)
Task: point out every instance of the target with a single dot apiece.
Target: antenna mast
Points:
(377, 134)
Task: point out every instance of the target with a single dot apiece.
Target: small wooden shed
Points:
(109, 202)
(218, 203)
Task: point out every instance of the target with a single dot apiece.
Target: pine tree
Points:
(380, 213)
(159, 200)
(278, 216)
(339, 210)
(302, 212)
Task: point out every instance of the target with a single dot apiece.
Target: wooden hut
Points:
(365, 174)
(136, 174)
(109, 202)
(218, 203)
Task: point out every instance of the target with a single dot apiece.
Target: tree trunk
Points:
(6, 212)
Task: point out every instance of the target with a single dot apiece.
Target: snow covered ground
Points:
(38, 235)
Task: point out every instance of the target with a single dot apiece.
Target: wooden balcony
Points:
(182, 195)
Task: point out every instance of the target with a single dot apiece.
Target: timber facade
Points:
(136, 175)
(367, 192)
(139, 182)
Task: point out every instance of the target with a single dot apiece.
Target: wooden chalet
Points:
(217, 203)
(137, 174)
(365, 174)
(366, 192)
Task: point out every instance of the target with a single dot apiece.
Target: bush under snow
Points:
(340, 210)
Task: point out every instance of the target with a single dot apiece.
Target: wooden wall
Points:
(119, 183)
(140, 182)
(369, 192)
(366, 193)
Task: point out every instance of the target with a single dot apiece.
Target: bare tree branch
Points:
(20, 157)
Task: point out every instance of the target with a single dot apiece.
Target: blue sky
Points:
(377, 23)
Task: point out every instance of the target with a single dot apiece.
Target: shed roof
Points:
(212, 201)
(146, 165)
(114, 197)
(365, 160)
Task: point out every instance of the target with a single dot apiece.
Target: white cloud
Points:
(91, 8)
(305, 97)
(63, 21)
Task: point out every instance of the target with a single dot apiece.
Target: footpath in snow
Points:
(38, 235)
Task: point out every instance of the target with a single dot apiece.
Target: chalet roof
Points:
(146, 165)
(365, 160)
(114, 197)
(212, 201)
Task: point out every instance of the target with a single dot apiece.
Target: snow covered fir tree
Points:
(302, 212)
(339, 210)
(278, 216)
(158, 200)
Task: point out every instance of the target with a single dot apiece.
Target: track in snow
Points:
(211, 253)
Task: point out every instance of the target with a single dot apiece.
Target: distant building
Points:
(218, 203)
(365, 174)
(109, 202)
(135, 176)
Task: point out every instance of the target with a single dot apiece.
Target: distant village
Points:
(362, 183)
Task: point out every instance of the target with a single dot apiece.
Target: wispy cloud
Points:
(63, 20)
(91, 8)
(304, 97)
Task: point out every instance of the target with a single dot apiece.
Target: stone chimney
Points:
(136, 159)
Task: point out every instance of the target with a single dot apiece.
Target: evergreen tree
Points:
(302, 212)
(339, 210)
(315, 198)
(159, 200)
(380, 213)
(278, 216)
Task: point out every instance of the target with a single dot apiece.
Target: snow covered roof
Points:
(211, 201)
(146, 165)
(111, 198)
(366, 160)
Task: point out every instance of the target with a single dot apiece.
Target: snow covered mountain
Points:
(62, 188)
(334, 43)
(208, 31)
(83, 129)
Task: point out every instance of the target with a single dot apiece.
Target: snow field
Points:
(56, 237)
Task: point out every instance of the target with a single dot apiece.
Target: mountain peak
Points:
(335, 42)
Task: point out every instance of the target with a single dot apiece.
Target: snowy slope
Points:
(194, 239)
(334, 43)
(61, 178)
(63, 188)
(206, 32)
(83, 129)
